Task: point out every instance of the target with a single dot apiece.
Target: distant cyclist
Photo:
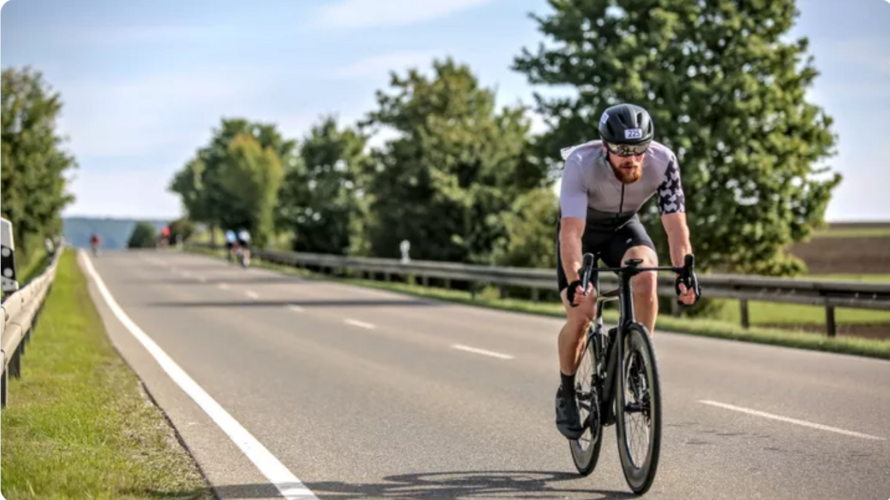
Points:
(605, 184)
(94, 243)
(244, 244)
(231, 241)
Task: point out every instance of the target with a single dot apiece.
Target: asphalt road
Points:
(363, 394)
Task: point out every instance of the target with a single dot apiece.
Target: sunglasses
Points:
(627, 149)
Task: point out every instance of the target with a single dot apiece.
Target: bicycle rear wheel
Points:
(586, 449)
(638, 404)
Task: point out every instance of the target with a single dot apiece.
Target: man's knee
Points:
(582, 314)
(644, 283)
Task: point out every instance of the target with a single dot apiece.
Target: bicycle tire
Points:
(585, 459)
(638, 345)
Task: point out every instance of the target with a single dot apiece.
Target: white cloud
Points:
(368, 13)
(382, 64)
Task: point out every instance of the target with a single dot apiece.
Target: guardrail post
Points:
(447, 283)
(4, 388)
(426, 280)
(743, 305)
(534, 294)
(388, 277)
(15, 364)
(502, 292)
(829, 321)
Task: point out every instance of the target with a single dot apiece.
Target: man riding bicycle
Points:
(244, 243)
(606, 182)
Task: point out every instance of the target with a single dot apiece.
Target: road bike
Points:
(626, 350)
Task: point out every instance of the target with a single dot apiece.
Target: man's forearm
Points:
(570, 253)
(678, 237)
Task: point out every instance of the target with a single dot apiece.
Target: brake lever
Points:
(587, 270)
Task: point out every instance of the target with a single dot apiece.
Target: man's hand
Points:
(575, 295)
(691, 294)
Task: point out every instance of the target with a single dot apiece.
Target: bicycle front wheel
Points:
(586, 449)
(638, 407)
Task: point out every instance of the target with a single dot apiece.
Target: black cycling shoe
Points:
(568, 420)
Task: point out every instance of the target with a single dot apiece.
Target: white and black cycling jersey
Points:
(590, 190)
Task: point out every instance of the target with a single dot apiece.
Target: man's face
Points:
(627, 169)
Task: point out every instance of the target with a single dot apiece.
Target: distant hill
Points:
(113, 233)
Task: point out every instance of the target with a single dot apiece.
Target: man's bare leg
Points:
(645, 286)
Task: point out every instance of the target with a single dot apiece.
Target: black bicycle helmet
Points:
(626, 124)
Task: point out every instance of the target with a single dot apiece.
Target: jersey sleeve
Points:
(573, 192)
(671, 199)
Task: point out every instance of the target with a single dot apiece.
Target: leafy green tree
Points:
(530, 224)
(249, 179)
(457, 165)
(144, 235)
(188, 184)
(34, 164)
(322, 199)
(727, 93)
(181, 229)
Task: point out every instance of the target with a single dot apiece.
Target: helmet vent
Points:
(639, 118)
(609, 126)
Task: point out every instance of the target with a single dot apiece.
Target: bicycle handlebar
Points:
(685, 271)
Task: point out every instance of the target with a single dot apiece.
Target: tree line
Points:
(467, 182)
(34, 163)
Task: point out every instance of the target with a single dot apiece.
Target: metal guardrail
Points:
(826, 293)
(20, 314)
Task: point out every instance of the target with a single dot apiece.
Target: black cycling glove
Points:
(691, 282)
(570, 292)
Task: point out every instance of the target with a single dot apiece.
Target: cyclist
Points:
(231, 239)
(94, 242)
(244, 243)
(606, 182)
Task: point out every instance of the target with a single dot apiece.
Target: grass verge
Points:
(702, 327)
(78, 424)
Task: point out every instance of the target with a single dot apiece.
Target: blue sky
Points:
(144, 82)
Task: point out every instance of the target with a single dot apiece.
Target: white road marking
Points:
(790, 420)
(287, 483)
(482, 351)
(358, 323)
(252, 294)
(295, 308)
(223, 286)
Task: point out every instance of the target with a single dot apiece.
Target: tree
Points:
(144, 235)
(530, 224)
(188, 184)
(456, 167)
(34, 165)
(727, 94)
(249, 180)
(200, 182)
(322, 198)
(181, 229)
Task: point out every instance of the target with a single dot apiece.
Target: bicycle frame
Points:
(604, 345)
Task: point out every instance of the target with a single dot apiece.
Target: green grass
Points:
(35, 264)
(868, 278)
(865, 232)
(703, 327)
(78, 424)
(773, 313)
